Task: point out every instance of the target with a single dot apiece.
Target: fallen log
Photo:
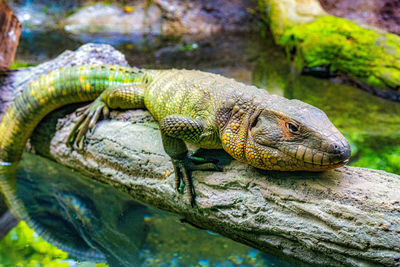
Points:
(344, 217)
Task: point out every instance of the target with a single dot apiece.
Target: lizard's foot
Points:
(87, 120)
(183, 173)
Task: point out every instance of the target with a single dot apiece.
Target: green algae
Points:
(18, 65)
(344, 47)
(23, 247)
(315, 40)
(282, 15)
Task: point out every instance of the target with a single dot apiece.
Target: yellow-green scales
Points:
(205, 109)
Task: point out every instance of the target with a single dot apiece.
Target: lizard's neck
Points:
(235, 117)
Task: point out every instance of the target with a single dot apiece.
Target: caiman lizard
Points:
(207, 110)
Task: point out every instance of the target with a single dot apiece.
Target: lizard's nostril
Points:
(335, 148)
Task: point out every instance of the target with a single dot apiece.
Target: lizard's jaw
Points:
(295, 158)
(333, 157)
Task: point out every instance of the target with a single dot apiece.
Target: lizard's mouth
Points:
(319, 159)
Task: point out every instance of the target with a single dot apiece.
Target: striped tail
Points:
(49, 92)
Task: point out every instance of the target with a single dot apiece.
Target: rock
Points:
(367, 58)
(206, 17)
(383, 14)
(348, 216)
(10, 30)
(112, 19)
(170, 17)
(364, 57)
(282, 15)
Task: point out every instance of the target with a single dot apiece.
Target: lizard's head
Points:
(275, 133)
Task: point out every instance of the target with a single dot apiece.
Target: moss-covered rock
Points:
(284, 14)
(344, 47)
(316, 41)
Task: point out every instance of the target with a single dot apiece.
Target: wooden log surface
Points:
(344, 217)
(10, 30)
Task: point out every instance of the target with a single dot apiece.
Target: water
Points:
(94, 222)
(72, 214)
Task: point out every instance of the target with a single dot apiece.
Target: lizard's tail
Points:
(49, 92)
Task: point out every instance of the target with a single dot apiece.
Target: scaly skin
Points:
(207, 110)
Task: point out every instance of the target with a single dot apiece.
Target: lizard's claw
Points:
(183, 173)
(88, 119)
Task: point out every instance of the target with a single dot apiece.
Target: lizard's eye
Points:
(293, 128)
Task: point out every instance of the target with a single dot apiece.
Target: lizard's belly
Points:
(210, 141)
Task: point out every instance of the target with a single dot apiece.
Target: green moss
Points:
(376, 152)
(18, 65)
(346, 48)
(23, 247)
(277, 19)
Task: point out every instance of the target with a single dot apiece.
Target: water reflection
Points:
(96, 222)
(89, 220)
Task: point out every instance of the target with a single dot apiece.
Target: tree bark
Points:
(10, 30)
(344, 217)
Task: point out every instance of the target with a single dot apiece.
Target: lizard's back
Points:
(193, 94)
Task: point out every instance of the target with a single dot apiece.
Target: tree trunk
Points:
(10, 30)
(348, 216)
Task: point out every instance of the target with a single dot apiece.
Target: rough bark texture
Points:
(10, 29)
(349, 216)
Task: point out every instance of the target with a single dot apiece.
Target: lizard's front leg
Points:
(176, 129)
(122, 96)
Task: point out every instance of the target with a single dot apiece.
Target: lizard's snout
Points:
(335, 148)
(339, 152)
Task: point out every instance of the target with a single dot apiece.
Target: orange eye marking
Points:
(285, 131)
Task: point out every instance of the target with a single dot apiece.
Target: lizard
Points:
(207, 110)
